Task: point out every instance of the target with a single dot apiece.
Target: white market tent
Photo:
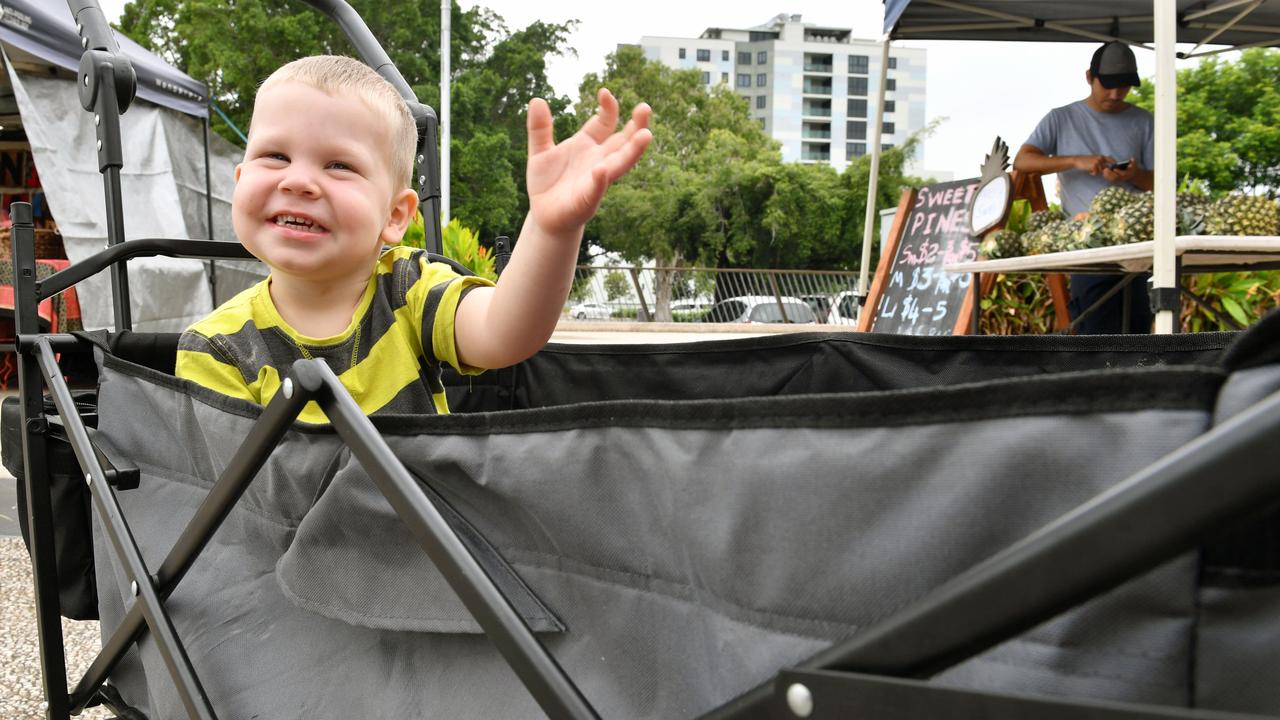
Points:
(1154, 25)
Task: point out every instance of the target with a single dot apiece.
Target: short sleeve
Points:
(1045, 136)
(434, 297)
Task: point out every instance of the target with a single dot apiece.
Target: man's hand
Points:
(1093, 164)
(567, 181)
(1125, 175)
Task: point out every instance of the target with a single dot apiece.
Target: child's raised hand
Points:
(567, 181)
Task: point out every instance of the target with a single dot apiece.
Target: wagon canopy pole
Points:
(428, 157)
(446, 61)
(873, 181)
(1164, 276)
(107, 84)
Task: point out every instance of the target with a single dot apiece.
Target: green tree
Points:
(232, 45)
(1228, 121)
(616, 285)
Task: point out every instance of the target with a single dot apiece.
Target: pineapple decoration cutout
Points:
(990, 203)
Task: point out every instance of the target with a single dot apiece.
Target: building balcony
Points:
(817, 89)
(821, 110)
(818, 68)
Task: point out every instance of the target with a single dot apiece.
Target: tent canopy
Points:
(44, 29)
(1239, 23)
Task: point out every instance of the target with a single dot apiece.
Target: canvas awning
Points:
(1153, 24)
(45, 30)
(1235, 23)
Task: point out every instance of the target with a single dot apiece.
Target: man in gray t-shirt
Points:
(1093, 143)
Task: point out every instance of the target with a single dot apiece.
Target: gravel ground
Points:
(20, 690)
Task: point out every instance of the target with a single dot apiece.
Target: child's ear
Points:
(403, 207)
(239, 166)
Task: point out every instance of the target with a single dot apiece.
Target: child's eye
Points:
(276, 156)
(336, 165)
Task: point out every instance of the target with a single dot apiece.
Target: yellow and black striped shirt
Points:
(389, 357)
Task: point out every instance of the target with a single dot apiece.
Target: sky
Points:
(981, 89)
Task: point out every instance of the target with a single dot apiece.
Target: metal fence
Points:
(696, 294)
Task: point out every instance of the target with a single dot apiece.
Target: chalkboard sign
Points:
(911, 294)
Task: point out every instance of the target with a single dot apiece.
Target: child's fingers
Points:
(602, 124)
(639, 119)
(624, 158)
(541, 137)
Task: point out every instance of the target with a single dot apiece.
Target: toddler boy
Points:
(324, 184)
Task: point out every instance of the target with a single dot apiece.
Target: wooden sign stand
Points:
(897, 231)
(1028, 186)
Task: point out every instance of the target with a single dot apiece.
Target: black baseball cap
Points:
(1114, 66)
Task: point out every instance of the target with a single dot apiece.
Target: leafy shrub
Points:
(460, 243)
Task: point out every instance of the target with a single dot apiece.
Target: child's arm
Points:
(501, 326)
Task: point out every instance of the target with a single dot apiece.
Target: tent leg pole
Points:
(868, 229)
(1164, 269)
(208, 213)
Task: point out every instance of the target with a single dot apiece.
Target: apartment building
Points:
(812, 88)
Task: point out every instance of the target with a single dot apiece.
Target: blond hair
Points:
(335, 74)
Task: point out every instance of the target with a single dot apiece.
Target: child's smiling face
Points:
(315, 197)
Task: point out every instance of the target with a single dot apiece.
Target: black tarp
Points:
(1128, 20)
(44, 29)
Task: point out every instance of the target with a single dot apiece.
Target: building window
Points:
(762, 58)
(888, 128)
(856, 130)
(886, 146)
(762, 79)
(853, 150)
(760, 36)
(744, 80)
(760, 101)
(858, 64)
(724, 77)
(761, 121)
(724, 56)
(889, 105)
(858, 86)
(890, 84)
(704, 55)
(682, 53)
(893, 63)
(744, 58)
(856, 109)
(706, 78)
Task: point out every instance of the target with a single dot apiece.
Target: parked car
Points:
(590, 311)
(844, 309)
(689, 305)
(761, 309)
(820, 303)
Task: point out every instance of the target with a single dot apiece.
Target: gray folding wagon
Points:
(809, 525)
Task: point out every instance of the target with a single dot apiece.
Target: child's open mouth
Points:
(297, 223)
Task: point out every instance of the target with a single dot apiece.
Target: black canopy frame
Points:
(1074, 558)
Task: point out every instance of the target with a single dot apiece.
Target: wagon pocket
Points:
(353, 560)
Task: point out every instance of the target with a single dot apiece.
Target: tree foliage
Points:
(713, 189)
(232, 45)
(1228, 121)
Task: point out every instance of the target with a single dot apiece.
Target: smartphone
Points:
(1119, 166)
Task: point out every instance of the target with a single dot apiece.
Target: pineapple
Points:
(1045, 239)
(1042, 218)
(1243, 215)
(1111, 200)
(1001, 244)
(1087, 233)
(1192, 212)
(1135, 222)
